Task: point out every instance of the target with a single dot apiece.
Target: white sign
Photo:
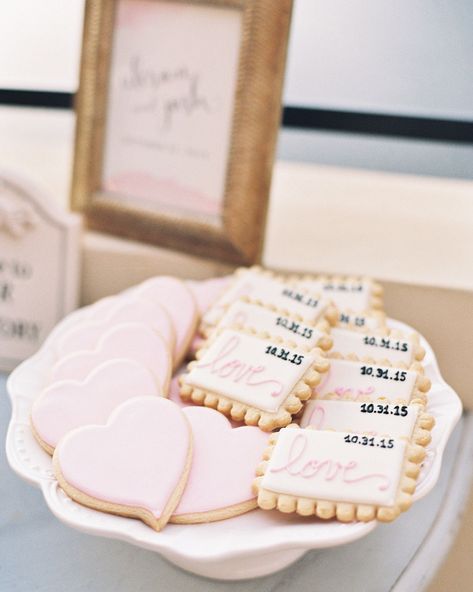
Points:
(39, 268)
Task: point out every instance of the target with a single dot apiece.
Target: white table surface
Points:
(39, 553)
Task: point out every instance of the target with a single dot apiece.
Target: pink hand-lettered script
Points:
(224, 365)
(298, 465)
(350, 394)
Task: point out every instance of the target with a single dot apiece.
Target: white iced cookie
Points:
(393, 346)
(338, 475)
(270, 290)
(245, 313)
(367, 321)
(363, 381)
(373, 419)
(260, 381)
(347, 293)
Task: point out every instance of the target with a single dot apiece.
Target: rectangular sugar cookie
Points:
(271, 290)
(364, 381)
(374, 419)
(261, 381)
(347, 293)
(388, 345)
(372, 320)
(272, 321)
(338, 475)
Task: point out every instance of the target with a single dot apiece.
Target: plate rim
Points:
(162, 545)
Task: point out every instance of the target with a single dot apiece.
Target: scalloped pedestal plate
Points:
(255, 544)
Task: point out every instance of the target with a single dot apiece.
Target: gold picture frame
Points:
(236, 233)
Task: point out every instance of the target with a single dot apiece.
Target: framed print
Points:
(177, 117)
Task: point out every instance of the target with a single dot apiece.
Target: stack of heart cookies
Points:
(298, 397)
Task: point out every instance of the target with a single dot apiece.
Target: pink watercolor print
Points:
(161, 191)
(133, 13)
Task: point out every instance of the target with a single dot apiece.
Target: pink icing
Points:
(68, 404)
(327, 469)
(353, 394)
(127, 340)
(223, 464)
(136, 460)
(84, 336)
(179, 303)
(195, 345)
(207, 292)
(236, 370)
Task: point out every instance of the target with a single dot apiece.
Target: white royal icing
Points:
(395, 350)
(361, 321)
(352, 295)
(237, 365)
(276, 324)
(375, 419)
(323, 466)
(309, 305)
(355, 380)
(270, 291)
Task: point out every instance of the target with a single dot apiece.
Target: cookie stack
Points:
(332, 397)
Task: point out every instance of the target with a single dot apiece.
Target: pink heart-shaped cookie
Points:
(174, 395)
(84, 336)
(136, 465)
(133, 341)
(68, 404)
(223, 468)
(207, 292)
(177, 299)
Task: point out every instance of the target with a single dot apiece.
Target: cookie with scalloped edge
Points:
(357, 293)
(370, 418)
(383, 345)
(351, 378)
(270, 289)
(367, 320)
(252, 378)
(337, 475)
(268, 320)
